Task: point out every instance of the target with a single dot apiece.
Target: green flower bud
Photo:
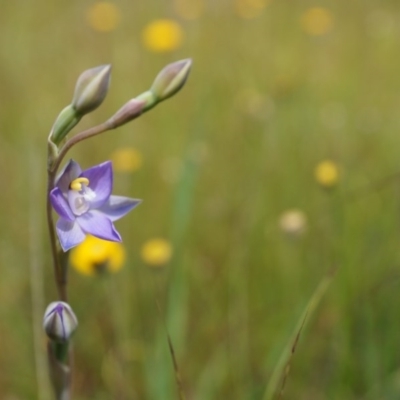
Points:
(59, 321)
(65, 122)
(129, 111)
(171, 79)
(91, 89)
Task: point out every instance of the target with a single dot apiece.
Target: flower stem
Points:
(96, 130)
(60, 357)
(59, 275)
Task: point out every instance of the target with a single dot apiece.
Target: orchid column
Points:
(82, 198)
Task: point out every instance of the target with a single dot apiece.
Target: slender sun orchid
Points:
(85, 205)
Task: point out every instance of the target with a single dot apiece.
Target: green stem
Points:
(61, 351)
(94, 131)
(60, 276)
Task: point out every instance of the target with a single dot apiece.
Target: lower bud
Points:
(59, 321)
(64, 123)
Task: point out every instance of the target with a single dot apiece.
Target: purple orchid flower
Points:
(85, 205)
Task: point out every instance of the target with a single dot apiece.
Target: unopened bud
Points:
(59, 321)
(65, 121)
(171, 79)
(129, 111)
(91, 89)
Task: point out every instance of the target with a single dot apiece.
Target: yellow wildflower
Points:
(327, 173)
(189, 9)
(162, 35)
(103, 16)
(126, 159)
(95, 255)
(156, 252)
(317, 21)
(293, 222)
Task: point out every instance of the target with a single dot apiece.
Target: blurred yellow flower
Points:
(189, 9)
(327, 173)
(249, 9)
(162, 35)
(317, 21)
(156, 252)
(293, 222)
(103, 16)
(95, 256)
(126, 159)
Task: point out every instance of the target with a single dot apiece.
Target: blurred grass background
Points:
(276, 88)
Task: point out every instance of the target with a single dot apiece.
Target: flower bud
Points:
(129, 111)
(91, 89)
(59, 321)
(65, 122)
(171, 79)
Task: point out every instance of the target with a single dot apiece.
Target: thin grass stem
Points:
(282, 368)
(36, 282)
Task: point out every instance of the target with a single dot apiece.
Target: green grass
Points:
(263, 105)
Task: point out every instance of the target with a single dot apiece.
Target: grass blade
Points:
(282, 368)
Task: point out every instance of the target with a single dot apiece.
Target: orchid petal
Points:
(70, 172)
(100, 182)
(77, 202)
(97, 224)
(61, 205)
(117, 206)
(69, 233)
